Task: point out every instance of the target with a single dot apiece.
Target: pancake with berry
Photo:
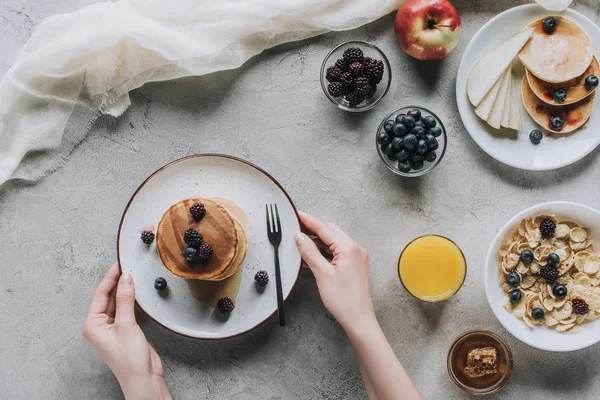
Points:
(217, 228)
(558, 51)
(556, 119)
(568, 92)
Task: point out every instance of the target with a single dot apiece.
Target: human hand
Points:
(344, 282)
(111, 328)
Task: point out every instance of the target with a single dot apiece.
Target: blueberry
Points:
(417, 165)
(414, 158)
(408, 121)
(160, 284)
(536, 136)
(400, 118)
(418, 131)
(191, 254)
(404, 166)
(402, 155)
(383, 138)
(397, 143)
(432, 142)
(389, 152)
(526, 256)
(416, 114)
(436, 131)
(410, 141)
(556, 122)
(430, 156)
(514, 296)
(419, 123)
(537, 314)
(513, 279)
(429, 122)
(591, 82)
(560, 291)
(559, 95)
(399, 129)
(422, 146)
(549, 24)
(553, 259)
(389, 126)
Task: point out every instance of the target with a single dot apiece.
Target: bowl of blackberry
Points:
(355, 76)
(411, 141)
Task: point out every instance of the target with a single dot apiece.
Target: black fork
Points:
(274, 234)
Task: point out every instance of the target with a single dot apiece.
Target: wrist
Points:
(145, 387)
(367, 327)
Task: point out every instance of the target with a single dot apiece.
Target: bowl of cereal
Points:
(542, 276)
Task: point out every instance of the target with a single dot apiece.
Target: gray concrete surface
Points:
(57, 238)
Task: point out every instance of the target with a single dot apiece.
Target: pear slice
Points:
(506, 112)
(484, 109)
(496, 115)
(490, 67)
(515, 115)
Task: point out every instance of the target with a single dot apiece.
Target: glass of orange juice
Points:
(432, 268)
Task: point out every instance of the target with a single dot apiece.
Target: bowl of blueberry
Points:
(411, 141)
(355, 76)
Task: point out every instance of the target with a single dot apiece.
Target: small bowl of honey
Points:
(480, 363)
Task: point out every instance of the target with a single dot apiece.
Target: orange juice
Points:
(432, 268)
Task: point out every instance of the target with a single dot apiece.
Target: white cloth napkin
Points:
(79, 65)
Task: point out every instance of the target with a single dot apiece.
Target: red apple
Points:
(427, 29)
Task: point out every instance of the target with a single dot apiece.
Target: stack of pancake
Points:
(225, 227)
(562, 59)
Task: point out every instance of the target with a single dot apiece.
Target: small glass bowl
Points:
(369, 50)
(489, 384)
(442, 140)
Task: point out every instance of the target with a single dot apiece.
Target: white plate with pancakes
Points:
(234, 193)
(513, 146)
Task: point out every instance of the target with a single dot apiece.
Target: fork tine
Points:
(267, 215)
(277, 219)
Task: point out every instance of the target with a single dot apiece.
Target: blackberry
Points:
(198, 211)
(549, 273)
(580, 306)
(335, 89)
(205, 251)
(333, 74)
(370, 91)
(261, 278)
(160, 284)
(225, 305)
(341, 64)
(355, 98)
(347, 82)
(192, 237)
(547, 228)
(147, 237)
(374, 71)
(356, 68)
(353, 54)
(363, 86)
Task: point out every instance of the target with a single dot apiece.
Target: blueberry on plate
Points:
(419, 123)
(556, 122)
(553, 259)
(514, 296)
(397, 143)
(422, 146)
(404, 166)
(560, 291)
(429, 122)
(408, 121)
(402, 155)
(383, 138)
(415, 158)
(559, 95)
(416, 114)
(513, 279)
(160, 284)
(591, 82)
(436, 131)
(399, 129)
(410, 141)
(430, 156)
(537, 314)
(389, 152)
(417, 165)
(536, 136)
(526, 256)
(400, 118)
(418, 131)
(549, 24)
(388, 127)
(191, 254)
(432, 142)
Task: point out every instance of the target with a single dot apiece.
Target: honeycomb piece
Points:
(482, 361)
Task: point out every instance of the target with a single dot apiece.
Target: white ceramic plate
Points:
(209, 175)
(505, 145)
(541, 337)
